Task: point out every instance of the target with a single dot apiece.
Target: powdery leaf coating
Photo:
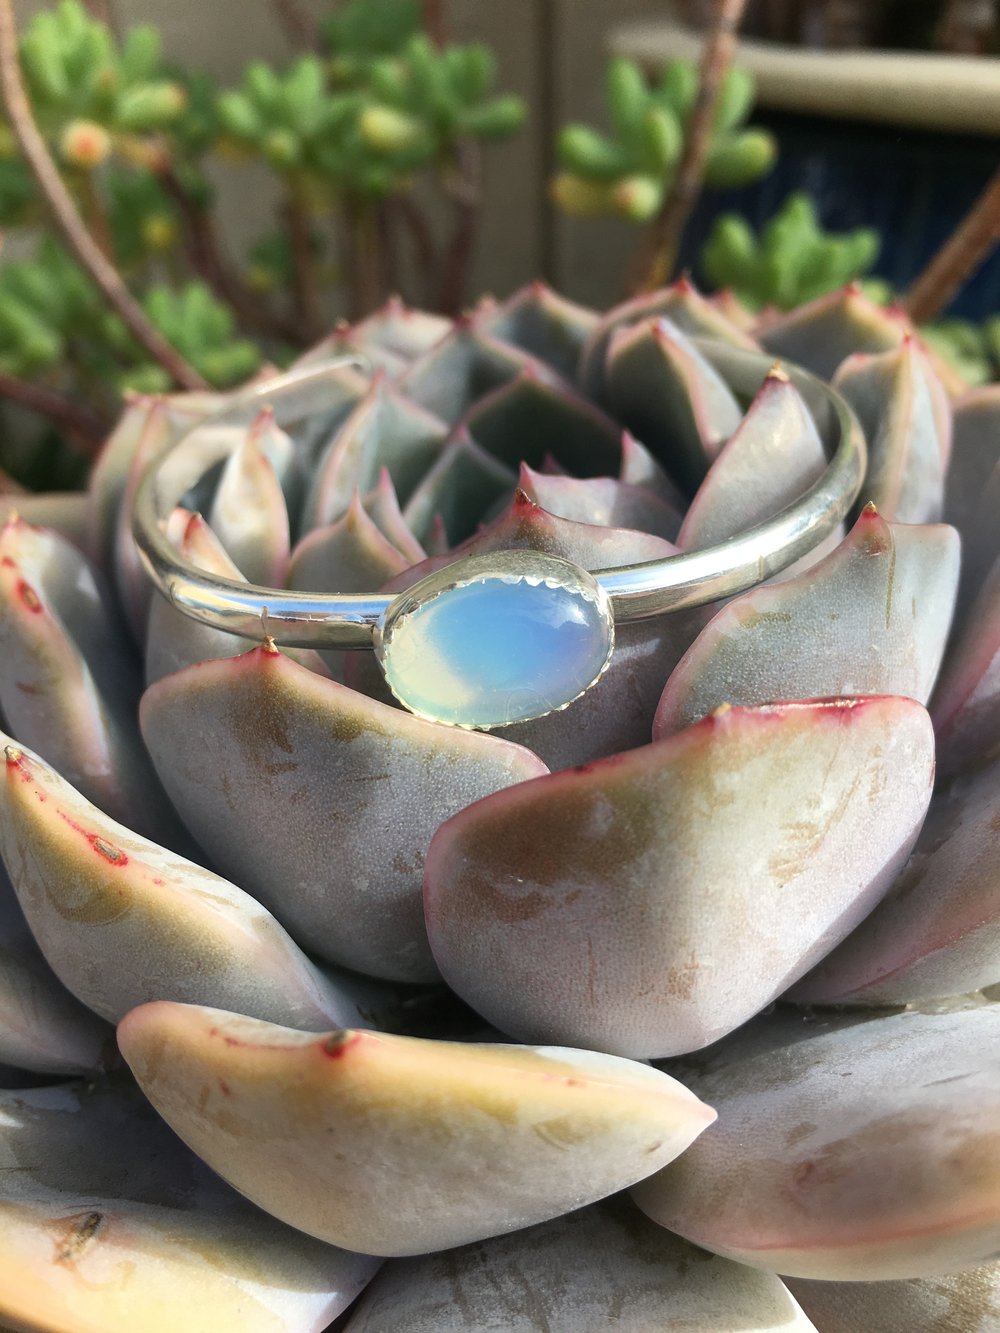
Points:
(381, 504)
(904, 412)
(820, 334)
(848, 1150)
(966, 707)
(121, 920)
(109, 1225)
(663, 389)
(967, 1302)
(975, 453)
(872, 618)
(463, 484)
(319, 800)
(691, 881)
(249, 514)
(606, 1266)
(544, 324)
(774, 455)
(937, 932)
(602, 501)
(348, 556)
(462, 367)
(397, 1145)
(390, 337)
(383, 431)
(42, 1027)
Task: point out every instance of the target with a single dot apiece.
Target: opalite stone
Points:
(496, 639)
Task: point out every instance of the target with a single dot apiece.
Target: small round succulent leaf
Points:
(660, 914)
(773, 456)
(543, 324)
(400, 1145)
(849, 1150)
(822, 333)
(108, 1224)
(681, 303)
(871, 618)
(898, 400)
(937, 932)
(606, 1266)
(121, 920)
(665, 391)
(320, 801)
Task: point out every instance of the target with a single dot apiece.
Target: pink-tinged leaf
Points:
(601, 501)
(689, 882)
(383, 431)
(382, 506)
(544, 324)
(856, 1149)
(42, 1027)
(681, 303)
(466, 364)
(966, 707)
(666, 393)
(728, 303)
(639, 468)
(320, 801)
(937, 932)
(109, 1225)
(905, 415)
(774, 456)
(389, 338)
(616, 713)
(121, 920)
(534, 415)
(820, 334)
(975, 453)
(967, 1302)
(249, 515)
(461, 486)
(175, 640)
(351, 555)
(872, 618)
(601, 1267)
(398, 1145)
(977, 429)
(68, 681)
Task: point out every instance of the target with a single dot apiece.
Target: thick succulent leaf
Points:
(661, 915)
(602, 501)
(544, 324)
(42, 1027)
(398, 1145)
(639, 468)
(466, 364)
(249, 514)
(109, 1225)
(530, 417)
(937, 932)
(820, 334)
(382, 505)
(175, 640)
(388, 338)
(320, 801)
(351, 555)
(977, 431)
(975, 453)
(774, 455)
(872, 618)
(616, 713)
(121, 920)
(663, 389)
(383, 431)
(464, 483)
(681, 303)
(65, 512)
(967, 700)
(967, 1302)
(343, 388)
(847, 1150)
(603, 1267)
(904, 412)
(68, 681)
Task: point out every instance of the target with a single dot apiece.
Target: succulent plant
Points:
(400, 984)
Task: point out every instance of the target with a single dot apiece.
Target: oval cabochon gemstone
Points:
(496, 639)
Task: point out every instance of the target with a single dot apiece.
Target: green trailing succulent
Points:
(677, 1005)
(629, 170)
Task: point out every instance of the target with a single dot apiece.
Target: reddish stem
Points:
(85, 429)
(963, 252)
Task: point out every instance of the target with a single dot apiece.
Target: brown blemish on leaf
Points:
(799, 1132)
(77, 1233)
(112, 854)
(29, 598)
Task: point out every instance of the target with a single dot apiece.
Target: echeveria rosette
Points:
(323, 926)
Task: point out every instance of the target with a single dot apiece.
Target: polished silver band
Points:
(637, 592)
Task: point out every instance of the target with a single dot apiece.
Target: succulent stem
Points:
(67, 217)
(657, 255)
(963, 252)
(85, 429)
